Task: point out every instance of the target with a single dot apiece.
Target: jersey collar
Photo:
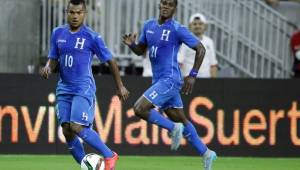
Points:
(166, 22)
(80, 29)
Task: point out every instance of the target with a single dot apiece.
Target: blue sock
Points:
(157, 118)
(93, 139)
(192, 137)
(76, 149)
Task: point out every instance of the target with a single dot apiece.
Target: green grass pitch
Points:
(65, 162)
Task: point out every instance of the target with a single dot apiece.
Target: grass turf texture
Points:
(65, 162)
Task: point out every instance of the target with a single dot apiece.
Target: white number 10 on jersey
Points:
(68, 61)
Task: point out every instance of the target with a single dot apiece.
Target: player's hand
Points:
(188, 85)
(45, 72)
(129, 39)
(123, 93)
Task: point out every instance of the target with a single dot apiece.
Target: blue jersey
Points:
(74, 52)
(163, 42)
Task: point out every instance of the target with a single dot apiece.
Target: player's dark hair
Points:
(77, 2)
(175, 1)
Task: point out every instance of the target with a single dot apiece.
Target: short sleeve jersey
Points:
(163, 42)
(74, 52)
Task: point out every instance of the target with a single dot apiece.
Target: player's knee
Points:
(175, 119)
(176, 116)
(67, 131)
(76, 128)
(138, 110)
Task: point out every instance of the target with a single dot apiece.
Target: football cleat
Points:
(110, 163)
(176, 135)
(208, 158)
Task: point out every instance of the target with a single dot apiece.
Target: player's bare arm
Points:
(138, 49)
(189, 81)
(122, 92)
(48, 69)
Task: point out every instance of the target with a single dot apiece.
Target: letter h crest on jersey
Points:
(165, 35)
(80, 43)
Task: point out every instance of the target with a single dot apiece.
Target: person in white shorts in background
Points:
(198, 25)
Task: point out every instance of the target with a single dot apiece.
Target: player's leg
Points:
(63, 110)
(153, 116)
(82, 117)
(192, 137)
(92, 138)
(189, 130)
(158, 95)
(74, 145)
(144, 109)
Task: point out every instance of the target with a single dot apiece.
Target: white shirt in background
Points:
(186, 57)
(147, 71)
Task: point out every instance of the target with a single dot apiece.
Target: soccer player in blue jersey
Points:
(163, 38)
(72, 49)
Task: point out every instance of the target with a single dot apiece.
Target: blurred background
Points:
(252, 37)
